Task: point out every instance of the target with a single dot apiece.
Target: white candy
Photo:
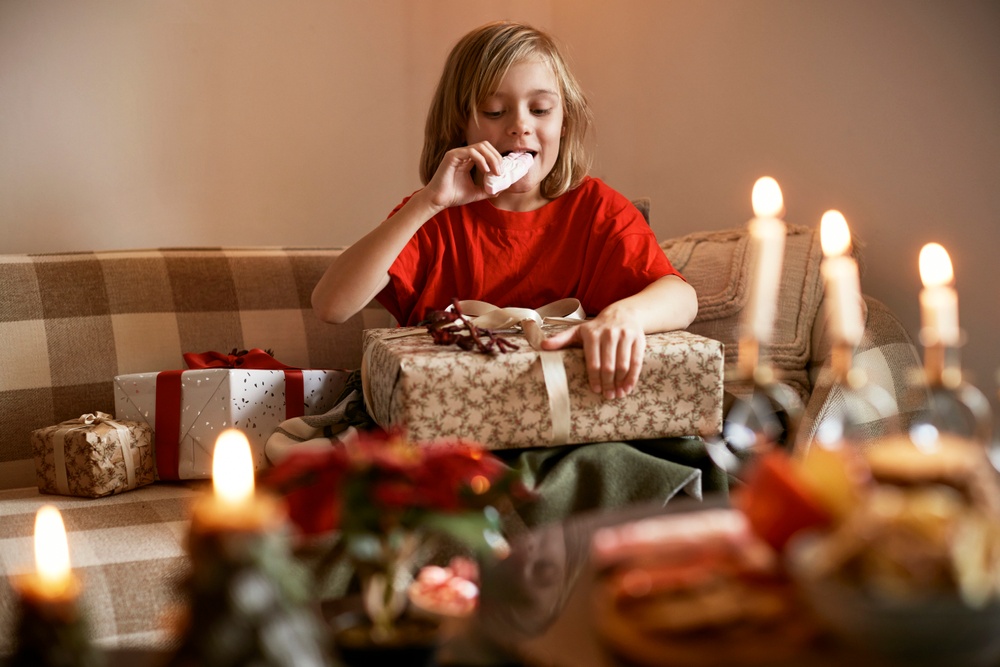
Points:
(512, 168)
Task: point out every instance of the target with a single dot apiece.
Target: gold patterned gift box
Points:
(514, 400)
(93, 456)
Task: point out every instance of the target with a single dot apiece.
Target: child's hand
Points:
(613, 346)
(452, 184)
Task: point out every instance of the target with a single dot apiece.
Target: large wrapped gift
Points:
(188, 409)
(93, 456)
(528, 398)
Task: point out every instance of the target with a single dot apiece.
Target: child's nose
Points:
(520, 123)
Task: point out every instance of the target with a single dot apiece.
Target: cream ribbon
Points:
(530, 321)
(80, 424)
(487, 316)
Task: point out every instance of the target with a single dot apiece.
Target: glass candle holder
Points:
(765, 418)
(856, 404)
(953, 406)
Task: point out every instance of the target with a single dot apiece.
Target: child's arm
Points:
(361, 271)
(614, 341)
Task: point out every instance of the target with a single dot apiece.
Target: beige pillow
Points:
(716, 264)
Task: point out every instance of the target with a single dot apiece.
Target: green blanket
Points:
(610, 475)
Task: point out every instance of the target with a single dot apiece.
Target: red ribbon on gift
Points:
(168, 398)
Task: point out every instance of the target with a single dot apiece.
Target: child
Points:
(555, 233)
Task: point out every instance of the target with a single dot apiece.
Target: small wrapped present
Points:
(188, 409)
(528, 398)
(93, 456)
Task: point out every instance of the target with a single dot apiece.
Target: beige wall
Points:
(214, 122)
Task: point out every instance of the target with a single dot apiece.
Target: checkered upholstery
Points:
(71, 322)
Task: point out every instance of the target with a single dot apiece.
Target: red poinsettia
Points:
(388, 498)
(381, 482)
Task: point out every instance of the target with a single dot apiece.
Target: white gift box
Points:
(508, 401)
(213, 400)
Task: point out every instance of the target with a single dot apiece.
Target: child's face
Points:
(525, 114)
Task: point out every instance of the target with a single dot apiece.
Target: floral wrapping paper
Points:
(501, 401)
(93, 456)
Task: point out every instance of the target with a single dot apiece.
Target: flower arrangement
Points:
(389, 499)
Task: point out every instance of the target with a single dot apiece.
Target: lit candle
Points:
(51, 626)
(246, 594)
(767, 250)
(54, 579)
(841, 281)
(233, 505)
(938, 299)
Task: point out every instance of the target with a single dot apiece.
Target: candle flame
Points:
(935, 266)
(835, 237)
(232, 468)
(51, 548)
(766, 198)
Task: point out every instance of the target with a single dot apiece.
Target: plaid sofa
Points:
(71, 322)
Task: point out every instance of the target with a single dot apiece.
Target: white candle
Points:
(767, 251)
(938, 299)
(841, 281)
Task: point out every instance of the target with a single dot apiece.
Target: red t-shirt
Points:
(591, 243)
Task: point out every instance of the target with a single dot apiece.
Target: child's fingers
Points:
(630, 377)
(565, 338)
(486, 157)
(613, 358)
(579, 337)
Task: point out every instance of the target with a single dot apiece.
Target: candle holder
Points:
(861, 403)
(953, 406)
(249, 601)
(51, 630)
(766, 418)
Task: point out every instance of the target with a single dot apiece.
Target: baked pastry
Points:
(695, 589)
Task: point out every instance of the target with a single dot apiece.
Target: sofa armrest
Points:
(887, 356)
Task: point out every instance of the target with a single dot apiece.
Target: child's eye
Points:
(493, 114)
(541, 112)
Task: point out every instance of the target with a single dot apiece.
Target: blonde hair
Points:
(474, 70)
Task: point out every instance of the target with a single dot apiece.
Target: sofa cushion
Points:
(72, 322)
(717, 265)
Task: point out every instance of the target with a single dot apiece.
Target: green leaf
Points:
(469, 528)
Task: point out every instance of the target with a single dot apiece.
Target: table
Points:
(536, 606)
(548, 623)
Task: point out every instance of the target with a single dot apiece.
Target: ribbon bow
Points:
(254, 359)
(487, 316)
(93, 418)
